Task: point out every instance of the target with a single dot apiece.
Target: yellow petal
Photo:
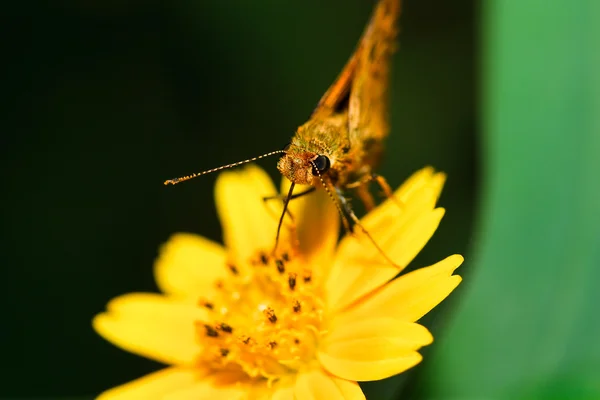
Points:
(154, 386)
(405, 335)
(400, 232)
(393, 227)
(412, 295)
(249, 224)
(371, 348)
(417, 185)
(283, 392)
(317, 223)
(423, 177)
(230, 385)
(189, 264)
(208, 391)
(153, 326)
(316, 384)
(369, 370)
(351, 280)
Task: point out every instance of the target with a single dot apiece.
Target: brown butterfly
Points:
(341, 144)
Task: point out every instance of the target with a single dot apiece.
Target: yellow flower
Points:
(237, 322)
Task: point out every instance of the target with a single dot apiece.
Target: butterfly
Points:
(341, 144)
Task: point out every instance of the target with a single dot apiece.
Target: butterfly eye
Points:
(286, 147)
(321, 163)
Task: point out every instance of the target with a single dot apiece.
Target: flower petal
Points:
(249, 223)
(369, 370)
(316, 384)
(404, 335)
(412, 295)
(371, 348)
(353, 279)
(208, 391)
(189, 264)
(230, 385)
(318, 223)
(424, 177)
(154, 326)
(413, 190)
(283, 392)
(154, 386)
(392, 226)
(401, 232)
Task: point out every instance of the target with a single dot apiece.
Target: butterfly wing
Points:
(368, 102)
(336, 97)
(361, 88)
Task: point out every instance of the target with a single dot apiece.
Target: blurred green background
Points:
(103, 100)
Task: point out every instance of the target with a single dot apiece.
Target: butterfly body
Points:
(345, 133)
(340, 145)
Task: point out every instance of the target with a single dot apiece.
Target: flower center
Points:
(265, 321)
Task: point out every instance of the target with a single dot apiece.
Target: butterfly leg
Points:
(362, 190)
(286, 211)
(383, 184)
(294, 196)
(365, 196)
(344, 209)
(387, 190)
(284, 198)
(356, 222)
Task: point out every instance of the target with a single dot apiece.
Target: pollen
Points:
(265, 319)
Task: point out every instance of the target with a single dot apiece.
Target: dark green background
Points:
(103, 100)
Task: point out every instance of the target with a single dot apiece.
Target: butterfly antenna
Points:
(332, 197)
(236, 164)
(353, 217)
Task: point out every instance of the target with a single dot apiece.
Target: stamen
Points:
(206, 304)
(245, 332)
(233, 269)
(292, 281)
(280, 266)
(226, 328)
(246, 340)
(270, 313)
(264, 259)
(307, 276)
(210, 331)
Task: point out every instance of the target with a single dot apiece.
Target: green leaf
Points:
(528, 324)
